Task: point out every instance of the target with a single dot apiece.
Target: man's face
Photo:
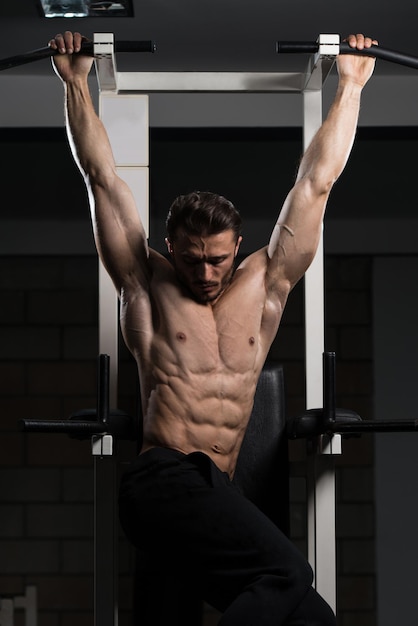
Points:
(205, 264)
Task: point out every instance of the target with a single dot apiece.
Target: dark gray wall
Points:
(396, 455)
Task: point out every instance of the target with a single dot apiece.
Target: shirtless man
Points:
(200, 333)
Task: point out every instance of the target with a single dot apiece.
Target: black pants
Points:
(187, 513)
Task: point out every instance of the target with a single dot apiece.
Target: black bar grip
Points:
(62, 426)
(85, 423)
(87, 48)
(375, 51)
(297, 47)
(135, 46)
(375, 426)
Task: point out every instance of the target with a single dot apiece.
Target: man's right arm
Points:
(119, 234)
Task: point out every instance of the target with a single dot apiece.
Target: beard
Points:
(206, 291)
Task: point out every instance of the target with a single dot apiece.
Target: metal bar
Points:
(6, 612)
(314, 277)
(320, 465)
(329, 402)
(76, 428)
(105, 533)
(210, 82)
(28, 602)
(105, 61)
(108, 325)
(386, 54)
(86, 48)
(375, 426)
(103, 389)
(313, 286)
(105, 553)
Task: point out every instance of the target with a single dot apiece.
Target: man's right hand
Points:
(66, 64)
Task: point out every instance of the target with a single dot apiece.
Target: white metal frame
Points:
(321, 483)
(27, 603)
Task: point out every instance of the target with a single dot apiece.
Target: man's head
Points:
(204, 234)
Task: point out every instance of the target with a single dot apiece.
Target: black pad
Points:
(262, 469)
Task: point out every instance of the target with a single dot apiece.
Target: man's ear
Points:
(169, 246)
(237, 245)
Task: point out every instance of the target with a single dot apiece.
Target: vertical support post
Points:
(6, 612)
(314, 277)
(126, 122)
(29, 603)
(321, 474)
(105, 533)
(108, 329)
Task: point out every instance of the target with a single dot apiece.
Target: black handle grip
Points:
(375, 51)
(87, 48)
(62, 426)
(135, 46)
(297, 47)
(375, 426)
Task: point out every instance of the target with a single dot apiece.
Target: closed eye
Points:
(211, 261)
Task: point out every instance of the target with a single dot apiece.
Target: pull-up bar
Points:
(87, 48)
(386, 54)
(282, 47)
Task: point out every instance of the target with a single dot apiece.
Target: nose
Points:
(205, 271)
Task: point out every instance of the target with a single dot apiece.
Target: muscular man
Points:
(200, 332)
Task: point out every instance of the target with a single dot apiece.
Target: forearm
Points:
(87, 136)
(327, 155)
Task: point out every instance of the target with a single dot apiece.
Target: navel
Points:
(251, 341)
(181, 336)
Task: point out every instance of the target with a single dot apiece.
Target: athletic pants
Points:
(193, 520)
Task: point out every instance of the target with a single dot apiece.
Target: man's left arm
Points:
(296, 235)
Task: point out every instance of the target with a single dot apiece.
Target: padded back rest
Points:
(263, 464)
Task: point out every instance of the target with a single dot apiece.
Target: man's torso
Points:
(199, 363)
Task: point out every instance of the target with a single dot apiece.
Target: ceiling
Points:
(216, 35)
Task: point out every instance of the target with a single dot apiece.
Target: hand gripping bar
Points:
(87, 48)
(375, 51)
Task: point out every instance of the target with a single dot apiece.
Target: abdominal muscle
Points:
(207, 413)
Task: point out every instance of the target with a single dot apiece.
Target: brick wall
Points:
(48, 350)
(48, 347)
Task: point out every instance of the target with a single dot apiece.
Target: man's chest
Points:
(206, 338)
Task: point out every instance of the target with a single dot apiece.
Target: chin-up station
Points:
(123, 108)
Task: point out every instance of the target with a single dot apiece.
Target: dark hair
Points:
(203, 213)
